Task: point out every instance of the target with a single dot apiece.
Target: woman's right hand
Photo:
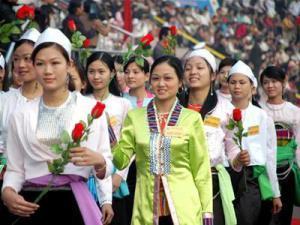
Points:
(17, 204)
(243, 158)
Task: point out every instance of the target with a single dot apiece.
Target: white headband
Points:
(203, 53)
(32, 34)
(55, 36)
(243, 68)
(2, 61)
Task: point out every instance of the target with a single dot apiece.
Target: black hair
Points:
(145, 68)
(172, 61)
(47, 45)
(164, 31)
(80, 70)
(273, 72)
(73, 5)
(5, 82)
(23, 41)
(108, 60)
(118, 59)
(227, 62)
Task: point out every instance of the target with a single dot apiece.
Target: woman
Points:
(118, 62)
(33, 131)
(200, 74)
(23, 67)
(224, 67)
(78, 80)
(136, 77)
(287, 123)
(172, 162)
(259, 154)
(102, 86)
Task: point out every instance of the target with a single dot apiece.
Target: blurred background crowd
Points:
(260, 32)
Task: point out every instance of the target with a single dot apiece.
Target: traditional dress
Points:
(131, 179)
(287, 121)
(261, 178)
(32, 130)
(221, 149)
(223, 96)
(176, 158)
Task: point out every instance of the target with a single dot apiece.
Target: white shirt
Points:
(261, 142)
(221, 147)
(27, 158)
(11, 101)
(288, 114)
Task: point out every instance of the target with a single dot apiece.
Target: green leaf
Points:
(83, 123)
(56, 148)
(139, 61)
(245, 134)
(15, 30)
(65, 137)
(5, 40)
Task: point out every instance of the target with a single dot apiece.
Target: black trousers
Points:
(219, 218)
(248, 203)
(120, 212)
(56, 207)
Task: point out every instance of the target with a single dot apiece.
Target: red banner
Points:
(127, 15)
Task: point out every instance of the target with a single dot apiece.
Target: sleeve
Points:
(271, 162)
(104, 146)
(123, 173)
(125, 149)
(14, 176)
(200, 165)
(104, 190)
(231, 149)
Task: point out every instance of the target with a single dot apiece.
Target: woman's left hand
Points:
(107, 214)
(277, 205)
(82, 156)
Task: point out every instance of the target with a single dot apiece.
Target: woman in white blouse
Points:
(259, 154)
(35, 128)
(287, 121)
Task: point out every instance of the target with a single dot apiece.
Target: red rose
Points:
(25, 12)
(173, 30)
(97, 110)
(146, 40)
(78, 132)
(237, 115)
(165, 43)
(71, 25)
(86, 43)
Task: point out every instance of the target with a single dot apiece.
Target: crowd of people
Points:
(152, 139)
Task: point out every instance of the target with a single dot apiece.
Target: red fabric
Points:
(127, 15)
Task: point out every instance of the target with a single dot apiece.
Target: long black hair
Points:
(211, 100)
(108, 60)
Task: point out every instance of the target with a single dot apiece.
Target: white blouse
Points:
(27, 157)
(261, 142)
(288, 114)
(220, 144)
(10, 101)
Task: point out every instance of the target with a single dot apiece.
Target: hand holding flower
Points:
(16, 204)
(243, 158)
(82, 156)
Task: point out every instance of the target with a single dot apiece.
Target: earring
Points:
(180, 90)
(211, 89)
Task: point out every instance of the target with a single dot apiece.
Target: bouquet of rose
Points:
(236, 125)
(170, 42)
(80, 133)
(142, 50)
(79, 41)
